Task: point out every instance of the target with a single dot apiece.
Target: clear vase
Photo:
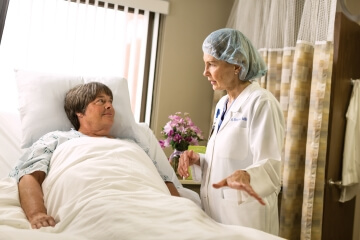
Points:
(174, 159)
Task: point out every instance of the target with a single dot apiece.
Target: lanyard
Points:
(223, 113)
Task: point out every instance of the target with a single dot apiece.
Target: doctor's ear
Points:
(237, 69)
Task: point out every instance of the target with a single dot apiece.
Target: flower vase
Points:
(174, 159)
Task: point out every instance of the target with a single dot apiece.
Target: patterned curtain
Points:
(299, 76)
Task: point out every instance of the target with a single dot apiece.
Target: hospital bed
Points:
(98, 188)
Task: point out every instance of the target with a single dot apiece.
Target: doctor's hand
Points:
(239, 180)
(187, 159)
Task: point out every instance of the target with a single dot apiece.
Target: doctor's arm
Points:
(262, 178)
(266, 143)
(32, 201)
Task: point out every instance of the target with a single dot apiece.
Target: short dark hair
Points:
(78, 98)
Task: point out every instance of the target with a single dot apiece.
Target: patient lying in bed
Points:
(89, 108)
(93, 187)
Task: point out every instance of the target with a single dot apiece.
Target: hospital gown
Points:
(38, 156)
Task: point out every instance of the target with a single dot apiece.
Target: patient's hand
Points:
(41, 220)
(32, 200)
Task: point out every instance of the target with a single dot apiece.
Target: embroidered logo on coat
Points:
(235, 119)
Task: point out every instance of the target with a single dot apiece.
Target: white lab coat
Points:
(251, 137)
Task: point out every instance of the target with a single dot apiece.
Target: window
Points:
(84, 37)
(3, 9)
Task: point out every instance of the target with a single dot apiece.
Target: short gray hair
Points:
(78, 98)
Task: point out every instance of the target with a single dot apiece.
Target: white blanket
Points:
(100, 188)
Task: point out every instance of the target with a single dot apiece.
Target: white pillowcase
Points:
(41, 104)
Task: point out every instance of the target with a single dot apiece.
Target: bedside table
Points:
(191, 184)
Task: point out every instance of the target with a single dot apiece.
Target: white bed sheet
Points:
(107, 194)
(99, 188)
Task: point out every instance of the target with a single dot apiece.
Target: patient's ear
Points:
(79, 115)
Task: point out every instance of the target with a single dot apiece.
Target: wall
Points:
(179, 83)
(353, 7)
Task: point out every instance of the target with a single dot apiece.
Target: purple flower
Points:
(162, 143)
(180, 132)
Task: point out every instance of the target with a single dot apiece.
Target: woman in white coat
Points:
(240, 171)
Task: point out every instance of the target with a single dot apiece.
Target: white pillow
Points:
(41, 104)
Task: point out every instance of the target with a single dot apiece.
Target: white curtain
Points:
(86, 37)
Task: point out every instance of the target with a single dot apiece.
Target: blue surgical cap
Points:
(232, 46)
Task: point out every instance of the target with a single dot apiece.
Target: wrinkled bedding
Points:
(99, 188)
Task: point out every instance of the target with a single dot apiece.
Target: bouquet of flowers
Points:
(180, 132)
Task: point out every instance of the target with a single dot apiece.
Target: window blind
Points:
(112, 37)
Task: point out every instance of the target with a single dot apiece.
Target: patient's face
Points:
(99, 116)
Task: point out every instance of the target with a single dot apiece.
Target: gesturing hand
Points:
(239, 180)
